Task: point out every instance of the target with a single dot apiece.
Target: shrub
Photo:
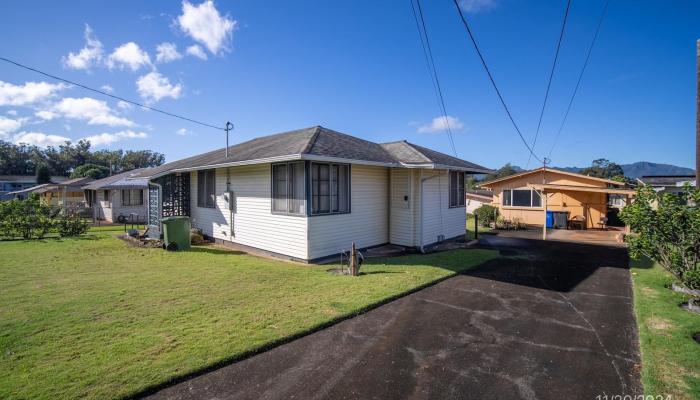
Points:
(666, 228)
(32, 219)
(486, 214)
(71, 224)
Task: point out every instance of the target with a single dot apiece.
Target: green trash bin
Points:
(176, 233)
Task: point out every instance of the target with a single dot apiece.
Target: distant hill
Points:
(638, 169)
(642, 168)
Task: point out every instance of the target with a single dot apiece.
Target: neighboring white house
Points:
(477, 198)
(667, 183)
(117, 198)
(308, 194)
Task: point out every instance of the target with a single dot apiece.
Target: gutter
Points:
(292, 157)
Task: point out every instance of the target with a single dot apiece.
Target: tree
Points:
(24, 159)
(603, 168)
(43, 175)
(90, 171)
(141, 159)
(666, 228)
(502, 172)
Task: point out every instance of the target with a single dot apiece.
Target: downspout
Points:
(230, 200)
(422, 206)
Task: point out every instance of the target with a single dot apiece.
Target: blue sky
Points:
(356, 67)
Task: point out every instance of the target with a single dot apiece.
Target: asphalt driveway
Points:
(543, 321)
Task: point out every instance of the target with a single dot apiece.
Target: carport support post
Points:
(544, 215)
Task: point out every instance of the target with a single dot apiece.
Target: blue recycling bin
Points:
(550, 219)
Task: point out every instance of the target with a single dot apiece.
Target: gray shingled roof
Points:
(120, 181)
(317, 142)
(666, 180)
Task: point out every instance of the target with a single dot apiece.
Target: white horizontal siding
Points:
(118, 209)
(368, 222)
(438, 218)
(401, 223)
(103, 208)
(253, 222)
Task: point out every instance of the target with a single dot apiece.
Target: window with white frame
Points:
(132, 197)
(330, 188)
(522, 198)
(456, 189)
(206, 188)
(288, 188)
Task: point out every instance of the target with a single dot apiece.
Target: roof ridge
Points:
(312, 139)
(420, 153)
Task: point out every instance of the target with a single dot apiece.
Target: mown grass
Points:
(471, 227)
(92, 317)
(670, 357)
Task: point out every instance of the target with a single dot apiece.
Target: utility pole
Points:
(228, 127)
(697, 121)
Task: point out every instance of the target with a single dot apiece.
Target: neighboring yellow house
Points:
(68, 193)
(528, 195)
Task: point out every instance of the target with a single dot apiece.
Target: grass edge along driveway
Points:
(94, 318)
(670, 357)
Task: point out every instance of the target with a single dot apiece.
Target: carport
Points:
(591, 210)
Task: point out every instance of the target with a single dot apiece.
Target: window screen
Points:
(456, 189)
(206, 187)
(507, 197)
(288, 188)
(330, 188)
(522, 198)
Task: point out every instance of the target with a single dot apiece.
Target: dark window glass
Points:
(289, 188)
(536, 199)
(206, 188)
(522, 198)
(330, 188)
(507, 197)
(456, 189)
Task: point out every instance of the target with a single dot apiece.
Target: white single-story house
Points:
(667, 183)
(117, 198)
(477, 198)
(308, 194)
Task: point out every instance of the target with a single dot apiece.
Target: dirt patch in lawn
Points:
(659, 324)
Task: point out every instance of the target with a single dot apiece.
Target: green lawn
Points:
(670, 357)
(95, 318)
(470, 227)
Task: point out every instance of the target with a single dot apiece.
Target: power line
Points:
(428, 53)
(580, 76)
(493, 82)
(110, 95)
(551, 75)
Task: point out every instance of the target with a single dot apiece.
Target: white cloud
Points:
(124, 105)
(30, 92)
(39, 139)
(9, 125)
(12, 112)
(88, 56)
(107, 88)
(205, 25)
(46, 115)
(182, 132)
(153, 86)
(104, 139)
(167, 52)
(197, 51)
(476, 6)
(440, 124)
(93, 111)
(130, 55)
